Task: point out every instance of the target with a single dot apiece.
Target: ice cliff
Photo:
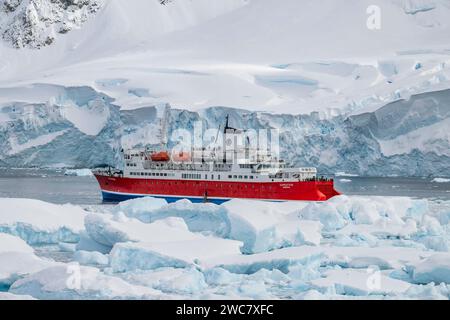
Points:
(80, 127)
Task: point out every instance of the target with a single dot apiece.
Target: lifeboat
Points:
(181, 156)
(160, 156)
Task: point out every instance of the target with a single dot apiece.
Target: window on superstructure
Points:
(240, 177)
(229, 177)
(235, 177)
(245, 177)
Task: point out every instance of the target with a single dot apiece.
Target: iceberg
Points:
(39, 222)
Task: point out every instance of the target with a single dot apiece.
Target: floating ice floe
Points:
(78, 172)
(441, 180)
(39, 222)
(108, 229)
(17, 259)
(178, 254)
(72, 281)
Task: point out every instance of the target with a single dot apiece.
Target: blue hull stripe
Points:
(117, 197)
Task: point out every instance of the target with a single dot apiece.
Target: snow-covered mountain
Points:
(36, 23)
(345, 97)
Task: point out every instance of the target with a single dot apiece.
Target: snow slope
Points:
(296, 57)
(318, 61)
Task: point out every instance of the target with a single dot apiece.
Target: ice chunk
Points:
(73, 281)
(433, 269)
(14, 265)
(297, 232)
(39, 222)
(428, 292)
(342, 210)
(179, 254)
(88, 244)
(109, 230)
(263, 226)
(327, 213)
(91, 258)
(220, 276)
(171, 280)
(254, 290)
(199, 217)
(359, 282)
(139, 208)
(282, 259)
(67, 247)
(381, 229)
(17, 259)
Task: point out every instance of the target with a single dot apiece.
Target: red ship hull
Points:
(119, 189)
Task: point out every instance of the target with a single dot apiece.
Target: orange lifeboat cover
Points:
(181, 156)
(160, 156)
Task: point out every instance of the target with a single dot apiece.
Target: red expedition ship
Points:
(202, 176)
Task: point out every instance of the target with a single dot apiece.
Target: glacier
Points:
(386, 138)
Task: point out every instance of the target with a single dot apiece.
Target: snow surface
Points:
(38, 222)
(109, 230)
(368, 248)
